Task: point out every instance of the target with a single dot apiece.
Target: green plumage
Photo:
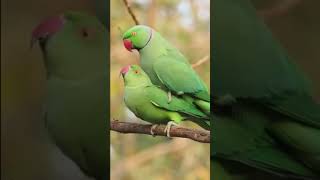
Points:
(165, 65)
(150, 103)
(272, 123)
(77, 97)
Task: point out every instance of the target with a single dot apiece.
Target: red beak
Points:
(46, 28)
(124, 70)
(128, 44)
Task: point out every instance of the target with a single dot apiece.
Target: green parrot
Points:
(150, 103)
(264, 115)
(74, 47)
(166, 66)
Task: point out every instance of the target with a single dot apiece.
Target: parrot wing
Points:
(247, 141)
(301, 108)
(159, 98)
(251, 66)
(249, 62)
(179, 77)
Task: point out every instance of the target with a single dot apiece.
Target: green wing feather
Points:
(258, 67)
(159, 98)
(251, 66)
(301, 108)
(179, 77)
(245, 140)
(248, 61)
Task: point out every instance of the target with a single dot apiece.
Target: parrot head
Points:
(74, 44)
(133, 75)
(137, 37)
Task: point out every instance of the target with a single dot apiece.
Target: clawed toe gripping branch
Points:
(202, 136)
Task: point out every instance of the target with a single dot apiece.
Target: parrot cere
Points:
(166, 66)
(150, 103)
(264, 117)
(74, 51)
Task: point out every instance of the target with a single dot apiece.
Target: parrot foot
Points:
(168, 127)
(152, 128)
(169, 96)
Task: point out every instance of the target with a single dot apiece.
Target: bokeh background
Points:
(186, 25)
(26, 151)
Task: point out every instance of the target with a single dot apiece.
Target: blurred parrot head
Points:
(133, 75)
(137, 37)
(74, 44)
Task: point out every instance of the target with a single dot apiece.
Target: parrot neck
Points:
(155, 47)
(137, 83)
(150, 37)
(85, 69)
(138, 86)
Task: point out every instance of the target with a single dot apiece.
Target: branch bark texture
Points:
(194, 134)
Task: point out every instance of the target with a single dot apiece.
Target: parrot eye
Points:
(84, 33)
(87, 32)
(134, 33)
(136, 71)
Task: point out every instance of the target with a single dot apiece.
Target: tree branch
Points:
(196, 135)
(131, 12)
(200, 61)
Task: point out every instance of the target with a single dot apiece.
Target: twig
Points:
(131, 12)
(196, 135)
(278, 9)
(201, 61)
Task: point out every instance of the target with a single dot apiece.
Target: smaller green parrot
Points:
(150, 103)
(166, 66)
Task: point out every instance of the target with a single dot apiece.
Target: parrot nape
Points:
(150, 103)
(74, 47)
(166, 66)
(263, 113)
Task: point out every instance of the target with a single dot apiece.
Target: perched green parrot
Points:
(264, 115)
(150, 103)
(74, 47)
(166, 66)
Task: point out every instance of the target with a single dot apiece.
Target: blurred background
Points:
(185, 24)
(26, 151)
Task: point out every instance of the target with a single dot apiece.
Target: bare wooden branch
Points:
(131, 12)
(278, 9)
(201, 61)
(196, 135)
